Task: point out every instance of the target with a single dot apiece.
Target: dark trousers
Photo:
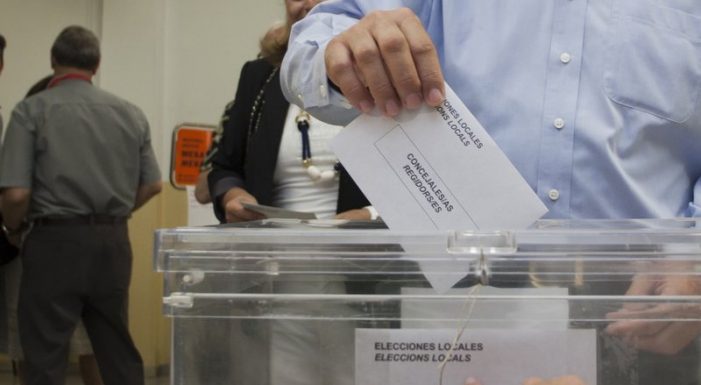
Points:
(69, 272)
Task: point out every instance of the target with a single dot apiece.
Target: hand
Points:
(202, 189)
(388, 61)
(15, 240)
(564, 380)
(666, 337)
(233, 207)
(16, 236)
(357, 214)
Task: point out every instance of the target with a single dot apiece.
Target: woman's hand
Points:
(235, 212)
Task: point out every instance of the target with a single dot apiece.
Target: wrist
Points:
(14, 231)
(232, 194)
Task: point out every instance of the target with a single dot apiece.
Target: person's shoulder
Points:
(257, 69)
(260, 64)
(106, 97)
(34, 103)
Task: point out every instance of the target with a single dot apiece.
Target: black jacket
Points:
(249, 147)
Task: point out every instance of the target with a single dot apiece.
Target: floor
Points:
(7, 378)
(74, 379)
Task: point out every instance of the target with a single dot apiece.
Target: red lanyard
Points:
(57, 79)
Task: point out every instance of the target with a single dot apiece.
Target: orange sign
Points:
(190, 145)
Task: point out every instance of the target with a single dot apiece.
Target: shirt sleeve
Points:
(228, 163)
(695, 205)
(17, 155)
(149, 171)
(303, 74)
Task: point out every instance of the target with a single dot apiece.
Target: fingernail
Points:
(366, 106)
(435, 97)
(392, 108)
(471, 381)
(413, 101)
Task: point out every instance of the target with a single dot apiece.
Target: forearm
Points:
(146, 192)
(202, 189)
(221, 181)
(15, 204)
(303, 74)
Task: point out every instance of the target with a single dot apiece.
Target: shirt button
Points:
(322, 91)
(565, 57)
(559, 123)
(553, 195)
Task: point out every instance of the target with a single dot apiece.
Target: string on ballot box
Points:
(468, 307)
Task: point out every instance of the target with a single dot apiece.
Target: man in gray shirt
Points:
(76, 162)
(3, 306)
(2, 65)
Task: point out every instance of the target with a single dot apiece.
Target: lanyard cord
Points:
(58, 79)
(313, 171)
(302, 121)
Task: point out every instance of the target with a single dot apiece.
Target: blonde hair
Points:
(273, 44)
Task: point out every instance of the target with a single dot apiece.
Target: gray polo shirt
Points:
(80, 150)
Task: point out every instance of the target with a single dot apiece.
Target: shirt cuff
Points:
(225, 184)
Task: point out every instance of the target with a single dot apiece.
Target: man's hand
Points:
(635, 323)
(233, 208)
(388, 61)
(357, 214)
(564, 380)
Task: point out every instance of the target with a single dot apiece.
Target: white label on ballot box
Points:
(494, 356)
(436, 169)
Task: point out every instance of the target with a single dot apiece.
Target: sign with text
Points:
(190, 145)
(494, 356)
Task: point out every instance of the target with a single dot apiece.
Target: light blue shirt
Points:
(595, 102)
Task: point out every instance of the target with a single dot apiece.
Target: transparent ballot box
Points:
(323, 302)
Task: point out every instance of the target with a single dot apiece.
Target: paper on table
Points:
(436, 169)
(276, 212)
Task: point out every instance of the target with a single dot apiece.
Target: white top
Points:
(293, 188)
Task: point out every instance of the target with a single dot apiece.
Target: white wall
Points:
(179, 60)
(30, 28)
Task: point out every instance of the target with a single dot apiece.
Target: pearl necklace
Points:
(315, 173)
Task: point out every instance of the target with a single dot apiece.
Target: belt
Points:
(96, 219)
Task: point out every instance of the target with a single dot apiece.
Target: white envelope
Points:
(436, 169)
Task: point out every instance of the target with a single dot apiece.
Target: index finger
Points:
(425, 57)
(341, 71)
